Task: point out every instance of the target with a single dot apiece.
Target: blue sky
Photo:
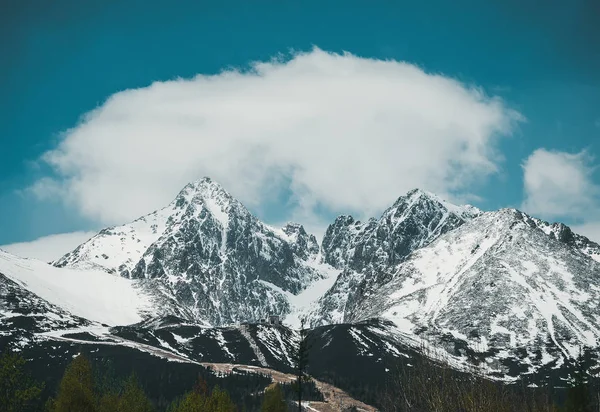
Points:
(62, 60)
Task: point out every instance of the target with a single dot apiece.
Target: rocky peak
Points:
(208, 194)
(496, 283)
(202, 188)
(294, 229)
(367, 252)
(419, 199)
(564, 234)
(118, 249)
(209, 254)
(338, 240)
(414, 220)
(303, 243)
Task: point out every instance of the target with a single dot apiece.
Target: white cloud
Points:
(560, 185)
(48, 248)
(341, 133)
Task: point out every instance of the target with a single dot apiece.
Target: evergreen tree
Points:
(198, 401)
(300, 358)
(18, 392)
(578, 394)
(220, 401)
(191, 402)
(201, 387)
(194, 401)
(76, 389)
(106, 379)
(133, 398)
(273, 400)
(108, 402)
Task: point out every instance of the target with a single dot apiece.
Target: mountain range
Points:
(509, 293)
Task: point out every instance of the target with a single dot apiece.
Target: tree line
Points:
(433, 386)
(81, 389)
(423, 386)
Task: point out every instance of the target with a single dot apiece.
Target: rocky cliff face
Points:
(502, 287)
(564, 234)
(367, 252)
(498, 285)
(210, 255)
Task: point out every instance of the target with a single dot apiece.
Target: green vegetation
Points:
(310, 392)
(88, 386)
(18, 392)
(422, 386)
(300, 359)
(77, 392)
(133, 398)
(427, 386)
(200, 399)
(274, 400)
(578, 397)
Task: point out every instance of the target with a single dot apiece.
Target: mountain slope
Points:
(24, 314)
(209, 254)
(497, 285)
(365, 252)
(504, 287)
(90, 294)
(564, 234)
(117, 249)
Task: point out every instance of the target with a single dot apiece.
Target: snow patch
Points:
(91, 294)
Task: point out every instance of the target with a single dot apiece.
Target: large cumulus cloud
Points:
(334, 132)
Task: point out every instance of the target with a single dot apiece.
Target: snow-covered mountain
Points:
(516, 292)
(564, 234)
(501, 285)
(91, 294)
(209, 254)
(366, 252)
(23, 314)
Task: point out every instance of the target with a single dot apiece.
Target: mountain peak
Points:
(498, 280)
(417, 192)
(417, 196)
(204, 188)
(206, 193)
(292, 228)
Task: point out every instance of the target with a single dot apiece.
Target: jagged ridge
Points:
(426, 264)
(209, 254)
(367, 251)
(500, 285)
